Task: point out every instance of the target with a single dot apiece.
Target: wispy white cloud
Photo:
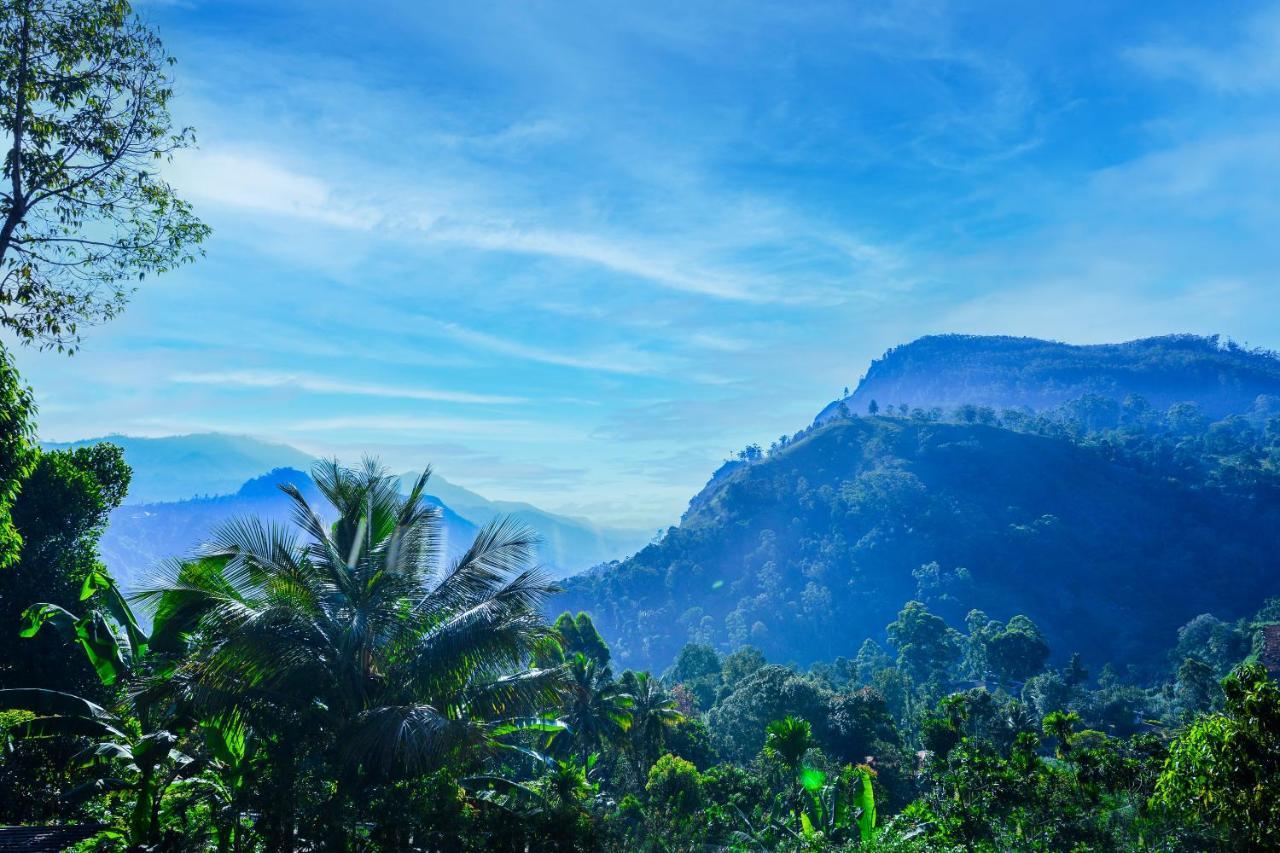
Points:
(769, 240)
(246, 180)
(254, 183)
(1250, 65)
(619, 359)
(653, 262)
(718, 342)
(424, 427)
(323, 385)
(1225, 174)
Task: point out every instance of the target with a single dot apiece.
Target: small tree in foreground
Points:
(356, 650)
(1224, 769)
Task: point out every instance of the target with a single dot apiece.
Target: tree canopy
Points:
(84, 211)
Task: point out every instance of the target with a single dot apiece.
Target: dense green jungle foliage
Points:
(344, 686)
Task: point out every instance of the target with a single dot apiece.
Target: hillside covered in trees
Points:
(1096, 519)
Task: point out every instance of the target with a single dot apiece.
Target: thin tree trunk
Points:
(17, 202)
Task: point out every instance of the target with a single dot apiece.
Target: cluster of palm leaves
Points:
(820, 808)
(329, 659)
(358, 630)
(351, 650)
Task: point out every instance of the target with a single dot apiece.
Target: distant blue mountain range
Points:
(184, 487)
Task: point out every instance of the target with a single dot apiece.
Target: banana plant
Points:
(129, 753)
(833, 811)
(864, 800)
(109, 633)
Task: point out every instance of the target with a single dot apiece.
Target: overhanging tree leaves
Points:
(17, 452)
(84, 212)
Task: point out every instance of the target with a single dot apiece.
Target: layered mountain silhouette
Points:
(180, 467)
(185, 487)
(141, 536)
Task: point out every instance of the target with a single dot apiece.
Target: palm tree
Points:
(597, 709)
(653, 711)
(355, 641)
(788, 740)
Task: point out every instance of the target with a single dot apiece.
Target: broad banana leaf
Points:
(61, 713)
(63, 621)
(529, 724)
(116, 606)
(88, 790)
(154, 748)
(864, 798)
(90, 631)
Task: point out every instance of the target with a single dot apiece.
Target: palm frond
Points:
(405, 739)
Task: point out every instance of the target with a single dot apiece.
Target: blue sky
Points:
(578, 253)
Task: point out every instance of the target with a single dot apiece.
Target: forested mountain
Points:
(1008, 372)
(1108, 540)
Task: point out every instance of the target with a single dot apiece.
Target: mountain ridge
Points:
(1008, 372)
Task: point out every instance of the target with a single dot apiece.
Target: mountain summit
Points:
(1007, 372)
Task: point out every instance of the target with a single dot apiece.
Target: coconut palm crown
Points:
(393, 660)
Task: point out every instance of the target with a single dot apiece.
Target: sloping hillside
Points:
(815, 548)
(1006, 372)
